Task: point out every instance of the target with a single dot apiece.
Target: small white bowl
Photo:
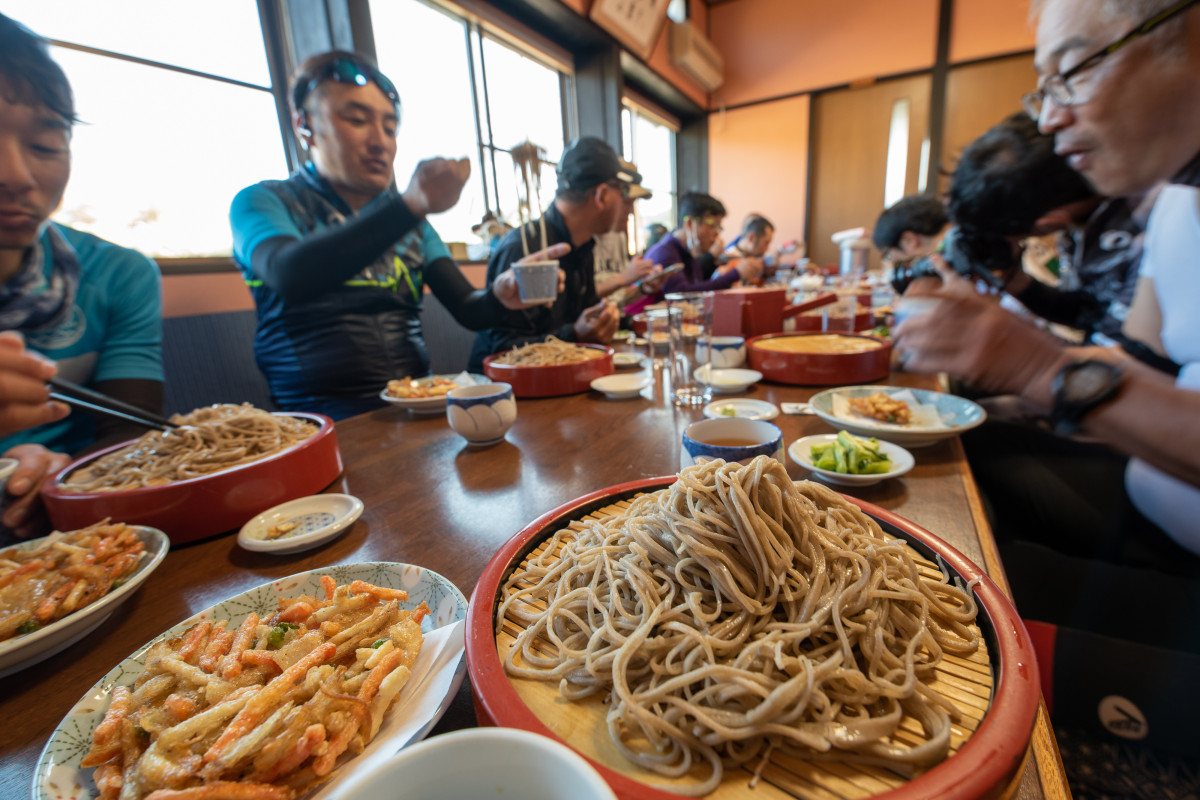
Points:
(481, 763)
(481, 414)
(742, 408)
(621, 387)
(801, 452)
(627, 360)
(728, 381)
(727, 351)
(318, 519)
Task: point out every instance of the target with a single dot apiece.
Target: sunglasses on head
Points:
(349, 71)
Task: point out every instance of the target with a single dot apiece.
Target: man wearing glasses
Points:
(702, 216)
(337, 260)
(913, 226)
(1120, 92)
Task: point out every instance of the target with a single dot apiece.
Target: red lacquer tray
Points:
(554, 379)
(820, 369)
(986, 765)
(211, 504)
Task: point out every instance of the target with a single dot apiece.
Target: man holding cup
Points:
(592, 188)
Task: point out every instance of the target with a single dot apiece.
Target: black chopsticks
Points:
(82, 397)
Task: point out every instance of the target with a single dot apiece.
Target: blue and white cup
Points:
(482, 413)
(726, 351)
(734, 439)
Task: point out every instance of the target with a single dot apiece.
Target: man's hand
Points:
(750, 268)
(598, 323)
(638, 268)
(436, 185)
(24, 399)
(23, 511)
(505, 286)
(969, 336)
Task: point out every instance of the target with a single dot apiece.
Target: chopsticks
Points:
(81, 397)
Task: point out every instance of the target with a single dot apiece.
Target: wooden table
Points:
(432, 501)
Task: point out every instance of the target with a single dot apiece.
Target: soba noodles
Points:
(547, 353)
(736, 613)
(209, 440)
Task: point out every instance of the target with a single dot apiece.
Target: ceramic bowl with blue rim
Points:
(730, 440)
(727, 351)
(481, 414)
(58, 774)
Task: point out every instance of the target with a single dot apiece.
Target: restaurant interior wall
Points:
(778, 51)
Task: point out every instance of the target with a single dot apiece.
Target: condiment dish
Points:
(300, 524)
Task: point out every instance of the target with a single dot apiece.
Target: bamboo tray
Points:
(996, 688)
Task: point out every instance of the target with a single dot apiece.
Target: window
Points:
(172, 127)
(467, 93)
(649, 142)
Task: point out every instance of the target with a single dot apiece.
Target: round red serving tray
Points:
(813, 320)
(986, 765)
(553, 379)
(820, 369)
(211, 504)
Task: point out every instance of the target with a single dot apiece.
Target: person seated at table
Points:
(654, 233)
(702, 216)
(69, 297)
(1010, 181)
(911, 227)
(1068, 530)
(752, 243)
(615, 269)
(337, 260)
(591, 197)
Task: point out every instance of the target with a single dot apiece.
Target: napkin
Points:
(419, 706)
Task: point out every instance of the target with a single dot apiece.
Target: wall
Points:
(759, 163)
(660, 59)
(983, 28)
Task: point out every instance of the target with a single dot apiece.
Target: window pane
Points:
(524, 100)
(424, 52)
(654, 154)
(153, 166)
(221, 37)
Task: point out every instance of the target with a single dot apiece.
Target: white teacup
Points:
(734, 439)
(483, 413)
(727, 351)
(479, 763)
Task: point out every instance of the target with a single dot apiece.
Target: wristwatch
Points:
(1078, 388)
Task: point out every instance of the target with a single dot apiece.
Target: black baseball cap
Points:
(588, 161)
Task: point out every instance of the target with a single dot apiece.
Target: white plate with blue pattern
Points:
(58, 775)
(300, 524)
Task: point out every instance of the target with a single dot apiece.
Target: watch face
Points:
(1088, 380)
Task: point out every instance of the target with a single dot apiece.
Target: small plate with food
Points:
(742, 408)
(285, 688)
(627, 360)
(300, 524)
(52, 597)
(907, 417)
(850, 460)
(426, 395)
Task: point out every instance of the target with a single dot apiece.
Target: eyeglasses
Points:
(352, 71)
(624, 188)
(1058, 87)
(715, 224)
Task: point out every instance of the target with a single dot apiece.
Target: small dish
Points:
(621, 387)
(315, 520)
(728, 381)
(742, 408)
(801, 452)
(627, 360)
(435, 404)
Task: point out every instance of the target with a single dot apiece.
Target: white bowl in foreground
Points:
(801, 452)
(300, 524)
(482, 763)
(621, 386)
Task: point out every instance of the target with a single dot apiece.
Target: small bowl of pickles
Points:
(847, 460)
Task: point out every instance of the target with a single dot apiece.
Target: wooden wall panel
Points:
(984, 28)
(980, 95)
(849, 140)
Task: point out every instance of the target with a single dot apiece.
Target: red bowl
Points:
(987, 765)
(864, 319)
(201, 507)
(554, 379)
(820, 369)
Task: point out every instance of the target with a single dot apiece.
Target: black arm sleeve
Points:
(474, 309)
(301, 269)
(1077, 309)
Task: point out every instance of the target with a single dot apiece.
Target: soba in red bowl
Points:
(820, 359)
(196, 508)
(551, 380)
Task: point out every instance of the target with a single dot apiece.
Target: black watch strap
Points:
(1080, 387)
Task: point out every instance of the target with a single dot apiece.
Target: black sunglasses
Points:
(349, 71)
